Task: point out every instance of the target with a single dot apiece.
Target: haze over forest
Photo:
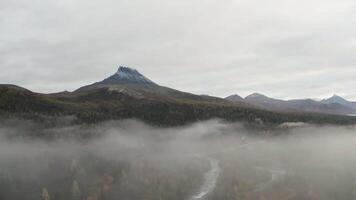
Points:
(206, 160)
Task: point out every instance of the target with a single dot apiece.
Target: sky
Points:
(282, 48)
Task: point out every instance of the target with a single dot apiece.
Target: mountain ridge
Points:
(332, 105)
(128, 94)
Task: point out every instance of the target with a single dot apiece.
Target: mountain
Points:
(123, 76)
(128, 94)
(335, 99)
(235, 98)
(260, 99)
(339, 100)
(334, 105)
(133, 83)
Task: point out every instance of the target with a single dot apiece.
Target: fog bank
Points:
(206, 160)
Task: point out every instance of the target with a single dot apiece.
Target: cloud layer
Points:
(131, 160)
(283, 48)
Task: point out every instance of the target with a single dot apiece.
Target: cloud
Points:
(211, 47)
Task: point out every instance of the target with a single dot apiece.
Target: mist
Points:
(206, 160)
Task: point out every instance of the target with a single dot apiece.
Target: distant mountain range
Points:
(332, 105)
(129, 94)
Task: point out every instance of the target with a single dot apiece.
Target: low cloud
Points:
(212, 159)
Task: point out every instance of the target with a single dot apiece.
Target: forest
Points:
(207, 160)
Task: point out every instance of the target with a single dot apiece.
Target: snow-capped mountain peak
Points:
(126, 70)
(126, 75)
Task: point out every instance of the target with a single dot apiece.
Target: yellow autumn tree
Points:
(45, 194)
(75, 191)
(239, 194)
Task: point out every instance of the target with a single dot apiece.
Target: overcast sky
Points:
(282, 48)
